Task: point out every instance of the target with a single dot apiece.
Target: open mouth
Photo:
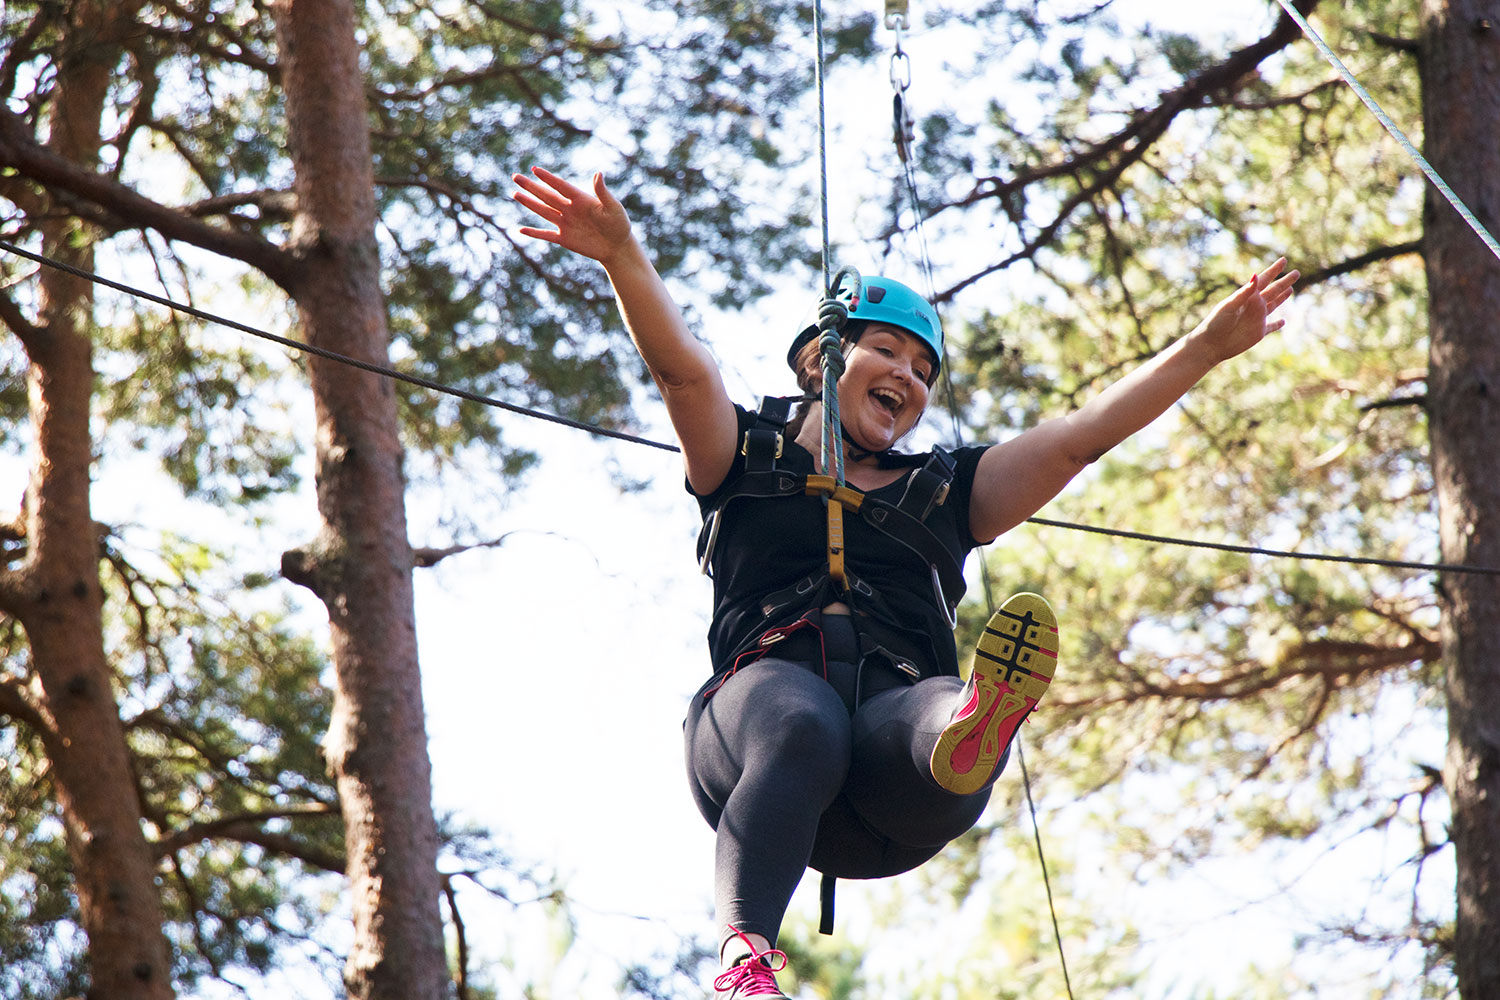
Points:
(891, 401)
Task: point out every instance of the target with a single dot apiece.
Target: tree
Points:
(361, 565)
(53, 590)
(1459, 59)
(205, 113)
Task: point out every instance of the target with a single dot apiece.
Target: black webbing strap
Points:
(825, 898)
(764, 440)
(927, 487)
(907, 530)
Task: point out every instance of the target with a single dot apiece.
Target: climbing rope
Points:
(833, 313)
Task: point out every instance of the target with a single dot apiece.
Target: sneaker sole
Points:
(1013, 667)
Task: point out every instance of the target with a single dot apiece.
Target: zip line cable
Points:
(1257, 551)
(322, 352)
(474, 397)
(1391, 127)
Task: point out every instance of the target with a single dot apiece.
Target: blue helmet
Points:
(884, 300)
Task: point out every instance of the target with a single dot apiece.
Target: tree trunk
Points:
(361, 566)
(1461, 114)
(56, 592)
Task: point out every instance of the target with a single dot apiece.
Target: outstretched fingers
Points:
(539, 198)
(589, 222)
(1278, 291)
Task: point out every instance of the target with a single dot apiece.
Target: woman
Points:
(835, 731)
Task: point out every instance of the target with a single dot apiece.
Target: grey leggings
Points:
(791, 777)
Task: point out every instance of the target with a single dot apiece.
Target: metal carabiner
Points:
(900, 68)
(713, 539)
(949, 613)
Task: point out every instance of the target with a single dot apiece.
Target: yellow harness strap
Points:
(836, 497)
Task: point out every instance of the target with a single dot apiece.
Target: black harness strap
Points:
(764, 441)
(825, 897)
(926, 488)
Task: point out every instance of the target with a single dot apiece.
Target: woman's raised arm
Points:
(593, 223)
(1018, 477)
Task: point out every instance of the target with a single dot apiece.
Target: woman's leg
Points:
(766, 755)
(890, 784)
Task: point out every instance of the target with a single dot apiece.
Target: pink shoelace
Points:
(755, 976)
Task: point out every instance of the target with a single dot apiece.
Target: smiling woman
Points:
(834, 731)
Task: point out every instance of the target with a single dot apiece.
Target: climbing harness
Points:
(763, 446)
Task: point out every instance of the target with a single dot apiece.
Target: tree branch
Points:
(425, 558)
(1125, 148)
(133, 210)
(1358, 263)
(16, 702)
(460, 933)
(1411, 46)
(246, 828)
(273, 205)
(28, 333)
(1334, 661)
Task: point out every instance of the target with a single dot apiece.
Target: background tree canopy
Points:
(1238, 745)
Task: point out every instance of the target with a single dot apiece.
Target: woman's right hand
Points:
(591, 223)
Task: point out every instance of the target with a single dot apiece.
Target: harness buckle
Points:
(763, 437)
(927, 486)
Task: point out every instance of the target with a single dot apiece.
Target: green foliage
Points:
(40, 949)
(221, 707)
(681, 103)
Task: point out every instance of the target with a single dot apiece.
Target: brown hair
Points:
(808, 365)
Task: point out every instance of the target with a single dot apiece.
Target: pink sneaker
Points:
(753, 976)
(1013, 666)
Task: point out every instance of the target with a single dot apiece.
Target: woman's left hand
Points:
(1243, 319)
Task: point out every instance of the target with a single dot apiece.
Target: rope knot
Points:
(833, 355)
(832, 315)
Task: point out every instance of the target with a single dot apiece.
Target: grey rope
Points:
(822, 140)
(322, 352)
(1391, 127)
(832, 314)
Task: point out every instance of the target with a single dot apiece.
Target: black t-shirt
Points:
(768, 545)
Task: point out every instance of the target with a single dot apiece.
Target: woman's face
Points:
(883, 390)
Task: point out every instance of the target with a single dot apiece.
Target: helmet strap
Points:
(855, 451)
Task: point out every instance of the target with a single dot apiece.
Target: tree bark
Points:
(56, 594)
(1461, 114)
(361, 565)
